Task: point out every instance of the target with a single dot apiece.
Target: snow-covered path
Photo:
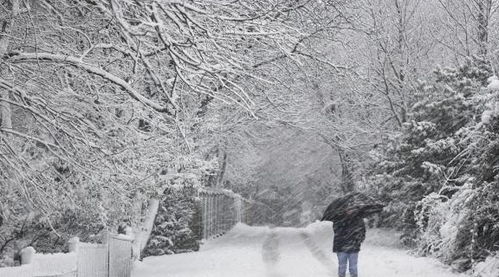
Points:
(288, 252)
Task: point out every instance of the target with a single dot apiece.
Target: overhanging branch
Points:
(76, 62)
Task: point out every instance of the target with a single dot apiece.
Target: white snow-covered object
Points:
(492, 103)
(493, 83)
(488, 268)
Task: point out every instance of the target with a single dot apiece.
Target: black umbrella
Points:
(354, 204)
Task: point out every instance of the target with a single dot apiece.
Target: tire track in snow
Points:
(271, 255)
(317, 252)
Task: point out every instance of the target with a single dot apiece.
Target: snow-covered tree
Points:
(100, 100)
(432, 174)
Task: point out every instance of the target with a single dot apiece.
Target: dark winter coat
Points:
(349, 234)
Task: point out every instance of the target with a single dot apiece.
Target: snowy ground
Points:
(288, 252)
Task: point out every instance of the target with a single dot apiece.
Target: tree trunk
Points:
(484, 9)
(347, 183)
(222, 168)
(400, 43)
(144, 232)
(5, 29)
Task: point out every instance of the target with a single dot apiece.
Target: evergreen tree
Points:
(174, 230)
(441, 168)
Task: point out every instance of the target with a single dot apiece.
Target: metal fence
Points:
(221, 210)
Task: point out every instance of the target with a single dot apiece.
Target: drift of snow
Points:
(291, 252)
(489, 267)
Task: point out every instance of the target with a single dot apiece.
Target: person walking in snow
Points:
(347, 214)
(349, 233)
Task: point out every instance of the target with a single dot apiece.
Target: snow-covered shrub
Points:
(174, 230)
(440, 175)
(445, 224)
(490, 98)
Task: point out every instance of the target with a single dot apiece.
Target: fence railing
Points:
(111, 258)
(221, 210)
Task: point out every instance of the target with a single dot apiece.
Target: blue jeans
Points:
(350, 259)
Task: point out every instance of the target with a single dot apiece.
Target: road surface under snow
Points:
(289, 252)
